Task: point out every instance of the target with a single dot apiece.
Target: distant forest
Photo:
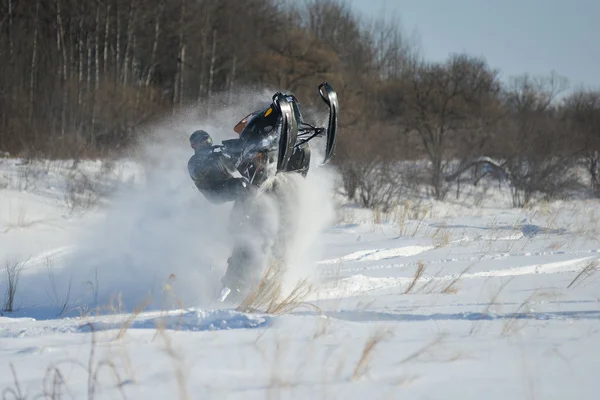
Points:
(79, 76)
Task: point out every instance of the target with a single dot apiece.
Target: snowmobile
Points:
(271, 141)
(276, 139)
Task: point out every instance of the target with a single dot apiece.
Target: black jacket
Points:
(214, 174)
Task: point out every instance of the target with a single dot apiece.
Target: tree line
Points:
(80, 76)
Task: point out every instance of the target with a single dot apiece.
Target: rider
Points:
(213, 172)
(216, 176)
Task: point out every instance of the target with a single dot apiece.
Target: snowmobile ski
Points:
(224, 293)
(329, 96)
(288, 133)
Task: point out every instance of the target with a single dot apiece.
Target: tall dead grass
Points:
(584, 274)
(13, 272)
(476, 327)
(55, 386)
(180, 370)
(268, 295)
(418, 274)
(362, 366)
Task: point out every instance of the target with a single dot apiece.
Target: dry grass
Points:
(81, 192)
(278, 380)
(418, 274)
(423, 350)
(407, 211)
(511, 326)
(55, 386)
(405, 381)
(60, 302)
(378, 216)
(556, 245)
(15, 393)
(434, 284)
(452, 287)
(267, 296)
(584, 274)
(323, 327)
(344, 215)
(442, 236)
(177, 364)
(130, 318)
(477, 324)
(400, 218)
(19, 219)
(362, 367)
(13, 271)
(94, 368)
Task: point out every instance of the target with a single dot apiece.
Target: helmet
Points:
(199, 139)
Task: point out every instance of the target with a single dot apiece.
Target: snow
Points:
(507, 304)
(379, 254)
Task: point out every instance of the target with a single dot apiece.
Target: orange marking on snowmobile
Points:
(259, 156)
(239, 127)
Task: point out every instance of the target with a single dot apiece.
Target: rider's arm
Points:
(237, 185)
(195, 167)
(226, 165)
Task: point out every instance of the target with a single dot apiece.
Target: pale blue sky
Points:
(514, 36)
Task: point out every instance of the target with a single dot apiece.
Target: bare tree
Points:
(582, 111)
(440, 102)
(537, 150)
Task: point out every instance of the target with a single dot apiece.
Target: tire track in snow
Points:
(49, 255)
(485, 257)
(379, 254)
(360, 283)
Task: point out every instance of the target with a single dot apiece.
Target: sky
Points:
(514, 36)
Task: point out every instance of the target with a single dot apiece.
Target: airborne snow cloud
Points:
(160, 244)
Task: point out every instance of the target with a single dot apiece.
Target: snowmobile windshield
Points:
(239, 127)
(258, 125)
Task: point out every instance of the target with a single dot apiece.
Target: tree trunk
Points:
(88, 82)
(177, 80)
(106, 45)
(213, 58)
(63, 71)
(182, 75)
(33, 63)
(130, 25)
(437, 178)
(97, 50)
(80, 45)
(11, 45)
(91, 134)
(458, 188)
(232, 79)
(593, 169)
(118, 47)
(159, 12)
(202, 55)
(136, 73)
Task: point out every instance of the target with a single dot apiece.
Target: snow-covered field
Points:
(432, 301)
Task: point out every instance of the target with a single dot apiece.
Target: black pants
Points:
(232, 189)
